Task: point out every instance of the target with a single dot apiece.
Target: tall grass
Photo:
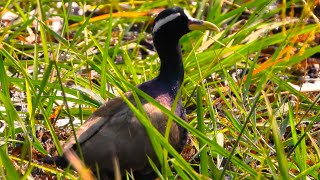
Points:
(245, 128)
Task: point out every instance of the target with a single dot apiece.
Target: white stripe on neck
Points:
(188, 15)
(164, 21)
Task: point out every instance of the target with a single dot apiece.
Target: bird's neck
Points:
(171, 69)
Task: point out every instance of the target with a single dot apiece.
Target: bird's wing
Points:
(113, 130)
(98, 119)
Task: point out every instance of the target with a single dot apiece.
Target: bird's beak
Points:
(196, 24)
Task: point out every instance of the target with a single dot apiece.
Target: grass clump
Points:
(250, 115)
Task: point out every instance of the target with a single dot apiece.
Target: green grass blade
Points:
(10, 170)
(281, 157)
(202, 145)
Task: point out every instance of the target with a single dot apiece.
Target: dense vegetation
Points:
(250, 91)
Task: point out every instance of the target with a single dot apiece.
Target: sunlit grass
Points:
(249, 127)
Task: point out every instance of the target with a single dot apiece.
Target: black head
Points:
(169, 26)
(173, 23)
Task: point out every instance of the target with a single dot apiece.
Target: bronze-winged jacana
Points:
(114, 131)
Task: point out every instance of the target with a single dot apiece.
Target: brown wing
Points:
(99, 118)
(113, 131)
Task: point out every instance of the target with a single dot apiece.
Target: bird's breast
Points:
(165, 100)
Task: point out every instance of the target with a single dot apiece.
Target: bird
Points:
(113, 131)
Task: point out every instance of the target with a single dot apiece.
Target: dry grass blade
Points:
(78, 165)
(104, 49)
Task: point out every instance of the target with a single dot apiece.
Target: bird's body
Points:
(114, 131)
(126, 139)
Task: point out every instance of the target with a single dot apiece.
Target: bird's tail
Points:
(58, 161)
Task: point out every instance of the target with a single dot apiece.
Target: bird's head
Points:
(173, 23)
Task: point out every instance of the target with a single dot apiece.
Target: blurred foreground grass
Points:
(247, 118)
